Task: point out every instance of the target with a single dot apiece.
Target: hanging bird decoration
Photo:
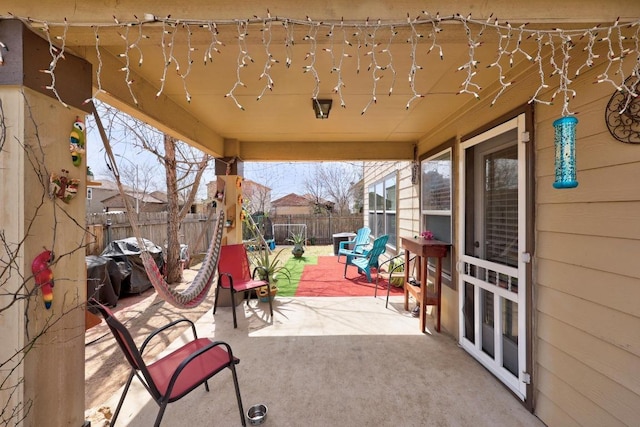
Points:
(76, 141)
(44, 276)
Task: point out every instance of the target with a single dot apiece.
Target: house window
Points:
(436, 175)
(382, 208)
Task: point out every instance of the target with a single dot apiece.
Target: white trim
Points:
(494, 364)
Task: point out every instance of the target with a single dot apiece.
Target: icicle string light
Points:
(413, 40)
(99, 90)
(370, 40)
(213, 46)
(56, 54)
(336, 64)
(244, 59)
(343, 54)
(468, 86)
(550, 51)
(538, 60)
(312, 37)
(502, 51)
(190, 50)
(127, 65)
(166, 62)
(288, 43)
(266, 71)
(387, 51)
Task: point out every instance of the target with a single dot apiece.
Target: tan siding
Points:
(597, 219)
(552, 413)
(568, 402)
(618, 256)
(594, 151)
(619, 183)
(601, 287)
(600, 390)
(407, 201)
(587, 272)
(608, 360)
(614, 327)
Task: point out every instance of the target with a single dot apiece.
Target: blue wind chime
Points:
(565, 143)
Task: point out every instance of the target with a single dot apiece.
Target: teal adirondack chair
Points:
(366, 262)
(356, 247)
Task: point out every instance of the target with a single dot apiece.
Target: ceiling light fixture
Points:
(321, 107)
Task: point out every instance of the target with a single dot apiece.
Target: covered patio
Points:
(335, 361)
(418, 80)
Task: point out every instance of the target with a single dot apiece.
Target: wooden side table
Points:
(423, 250)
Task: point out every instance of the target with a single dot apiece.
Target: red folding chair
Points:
(178, 373)
(234, 274)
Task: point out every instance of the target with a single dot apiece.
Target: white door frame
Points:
(465, 262)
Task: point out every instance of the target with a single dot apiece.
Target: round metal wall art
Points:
(623, 112)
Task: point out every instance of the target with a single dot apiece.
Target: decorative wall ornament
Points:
(63, 187)
(43, 276)
(623, 112)
(76, 141)
(370, 44)
(565, 143)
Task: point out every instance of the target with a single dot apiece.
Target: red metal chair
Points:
(175, 375)
(234, 274)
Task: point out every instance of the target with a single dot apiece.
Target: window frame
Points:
(384, 207)
(438, 153)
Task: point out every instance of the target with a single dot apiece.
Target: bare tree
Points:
(333, 182)
(183, 165)
(256, 198)
(183, 177)
(315, 189)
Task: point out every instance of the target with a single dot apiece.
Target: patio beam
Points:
(161, 112)
(327, 151)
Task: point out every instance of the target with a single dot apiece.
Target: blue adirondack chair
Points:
(357, 246)
(370, 260)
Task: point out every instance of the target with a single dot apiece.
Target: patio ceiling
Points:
(281, 125)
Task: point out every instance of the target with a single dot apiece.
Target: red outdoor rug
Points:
(325, 279)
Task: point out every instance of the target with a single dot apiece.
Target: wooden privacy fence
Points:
(320, 228)
(103, 228)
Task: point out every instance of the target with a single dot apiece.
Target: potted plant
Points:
(298, 244)
(268, 267)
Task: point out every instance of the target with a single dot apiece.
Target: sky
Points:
(282, 177)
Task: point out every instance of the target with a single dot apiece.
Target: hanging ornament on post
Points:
(565, 142)
(44, 276)
(76, 141)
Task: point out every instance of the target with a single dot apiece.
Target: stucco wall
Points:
(51, 341)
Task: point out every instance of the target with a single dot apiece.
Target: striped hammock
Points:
(197, 291)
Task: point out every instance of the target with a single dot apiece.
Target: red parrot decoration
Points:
(44, 276)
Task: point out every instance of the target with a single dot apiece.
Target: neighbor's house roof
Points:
(291, 199)
(147, 202)
(296, 200)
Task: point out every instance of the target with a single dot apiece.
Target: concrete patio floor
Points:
(340, 361)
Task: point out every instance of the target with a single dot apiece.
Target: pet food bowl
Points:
(257, 414)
